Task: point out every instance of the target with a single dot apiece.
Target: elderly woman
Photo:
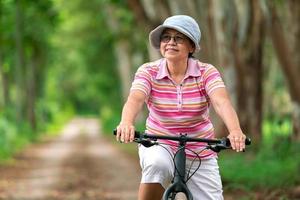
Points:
(178, 90)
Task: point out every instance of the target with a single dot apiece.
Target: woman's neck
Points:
(177, 69)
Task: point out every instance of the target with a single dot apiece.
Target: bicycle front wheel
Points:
(180, 196)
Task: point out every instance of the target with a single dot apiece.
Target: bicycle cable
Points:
(162, 145)
(176, 169)
(173, 155)
(199, 165)
(194, 159)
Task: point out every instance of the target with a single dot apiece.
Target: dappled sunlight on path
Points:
(80, 164)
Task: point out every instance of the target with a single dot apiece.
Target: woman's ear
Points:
(192, 47)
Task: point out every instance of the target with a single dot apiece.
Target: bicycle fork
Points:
(179, 184)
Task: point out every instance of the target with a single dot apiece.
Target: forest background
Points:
(64, 58)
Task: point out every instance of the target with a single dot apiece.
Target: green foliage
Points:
(37, 23)
(13, 136)
(72, 49)
(276, 127)
(84, 69)
(275, 164)
(16, 135)
(277, 101)
(52, 116)
(266, 170)
(110, 117)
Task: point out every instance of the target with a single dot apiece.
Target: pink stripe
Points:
(179, 109)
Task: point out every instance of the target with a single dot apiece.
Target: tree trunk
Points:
(179, 7)
(287, 50)
(3, 75)
(248, 52)
(155, 10)
(20, 102)
(4, 79)
(218, 54)
(146, 15)
(31, 89)
(122, 52)
(149, 14)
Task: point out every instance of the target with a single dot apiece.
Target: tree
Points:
(285, 35)
(20, 62)
(122, 48)
(23, 55)
(247, 45)
(245, 36)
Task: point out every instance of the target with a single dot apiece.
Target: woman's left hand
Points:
(237, 140)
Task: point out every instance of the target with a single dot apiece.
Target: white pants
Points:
(158, 167)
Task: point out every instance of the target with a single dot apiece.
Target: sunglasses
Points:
(165, 38)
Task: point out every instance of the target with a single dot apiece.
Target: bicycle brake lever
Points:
(217, 147)
(145, 143)
(224, 144)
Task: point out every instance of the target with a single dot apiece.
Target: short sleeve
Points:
(142, 81)
(212, 79)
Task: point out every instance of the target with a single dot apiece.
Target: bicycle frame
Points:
(179, 184)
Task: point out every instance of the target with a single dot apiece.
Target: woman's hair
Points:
(193, 44)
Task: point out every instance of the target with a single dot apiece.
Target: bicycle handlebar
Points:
(214, 144)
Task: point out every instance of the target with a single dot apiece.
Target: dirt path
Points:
(80, 164)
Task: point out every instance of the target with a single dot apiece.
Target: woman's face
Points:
(175, 45)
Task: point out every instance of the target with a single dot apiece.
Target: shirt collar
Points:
(192, 70)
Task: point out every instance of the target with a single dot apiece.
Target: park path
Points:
(81, 164)
(78, 165)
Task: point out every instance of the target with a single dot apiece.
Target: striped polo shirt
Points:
(183, 108)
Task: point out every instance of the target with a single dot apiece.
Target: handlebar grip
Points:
(136, 133)
(247, 141)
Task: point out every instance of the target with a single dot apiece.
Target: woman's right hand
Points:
(125, 132)
(134, 103)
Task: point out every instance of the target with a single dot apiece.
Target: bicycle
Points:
(178, 186)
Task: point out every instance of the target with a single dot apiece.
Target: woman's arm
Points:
(223, 107)
(133, 105)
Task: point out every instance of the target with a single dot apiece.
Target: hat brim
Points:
(154, 36)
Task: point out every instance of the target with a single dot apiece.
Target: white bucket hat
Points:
(181, 23)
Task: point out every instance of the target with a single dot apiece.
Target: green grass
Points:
(276, 127)
(259, 172)
(274, 163)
